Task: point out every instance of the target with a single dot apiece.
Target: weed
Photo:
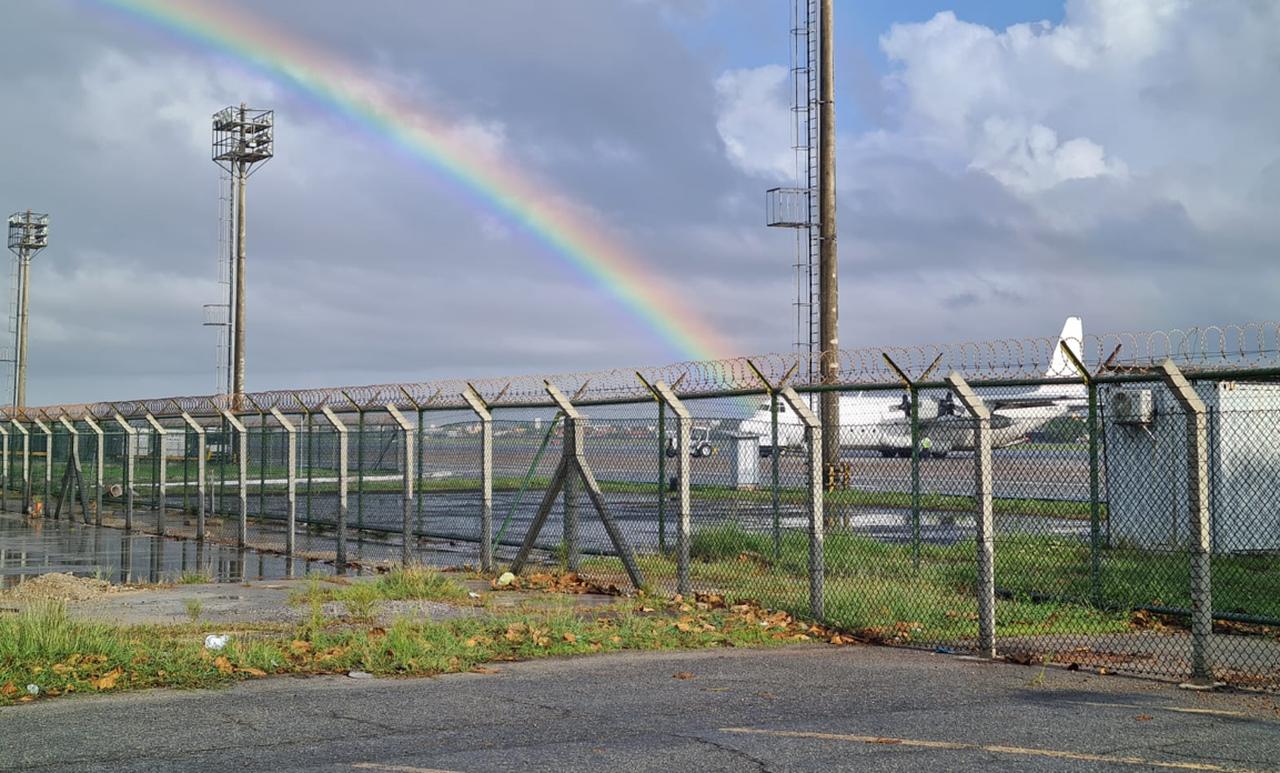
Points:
(194, 608)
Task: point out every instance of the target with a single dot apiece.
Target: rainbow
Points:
(548, 216)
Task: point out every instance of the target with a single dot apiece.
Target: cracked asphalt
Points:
(796, 709)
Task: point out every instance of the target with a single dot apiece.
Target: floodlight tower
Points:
(28, 235)
(243, 140)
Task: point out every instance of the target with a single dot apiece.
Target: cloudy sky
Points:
(1002, 165)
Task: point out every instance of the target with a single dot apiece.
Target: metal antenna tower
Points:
(28, 235)
(797, 207)
(243, 140)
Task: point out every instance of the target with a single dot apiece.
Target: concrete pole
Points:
(242, 475)
(817, 548)
(481, 410)
(291, 478)
(98, 466)
(130, 450)
(1200, 548)
(341, 429)
(684, 421)
(26, 466)
(200, 472)
(983, 517)
(406, 499)
(4, 469)
(48, 459)
(24, 280)
(161, 472)
(241, 175)
(828, 264)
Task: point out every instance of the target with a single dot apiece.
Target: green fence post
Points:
(915, 476)
(263, 452)
(420, 441)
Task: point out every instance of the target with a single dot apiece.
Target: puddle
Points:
(30, 548)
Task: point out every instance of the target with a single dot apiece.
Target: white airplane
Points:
(872, 421)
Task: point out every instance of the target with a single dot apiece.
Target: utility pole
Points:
(829, 272)
(243, 139)
(28, 235)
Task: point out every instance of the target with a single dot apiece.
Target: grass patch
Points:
(43, 647)
(1047, 584)
(194, 578)
(401, 583)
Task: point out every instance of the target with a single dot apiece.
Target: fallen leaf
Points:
(483, 670)
(1143, 717)
(258, 672)
(108, 680)
(888, 741)
(682, 675)
(9, 690)
(223, 665)
(298, 647)
(569, 637)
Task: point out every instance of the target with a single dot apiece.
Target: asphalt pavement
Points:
(798, 709)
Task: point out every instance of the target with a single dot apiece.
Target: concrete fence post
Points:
(341, 429)
(26, 466)
(684, 525)
(99, 465)
(161, 472)
(4, 469)
(1199, 548)
(200, 472)
(982, 496)
(242, 475)
(291, 481)
(48, 460)
(481, 410)
(817, 554)
(130, 449)
(406, 525)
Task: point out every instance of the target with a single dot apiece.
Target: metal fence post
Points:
(983, 517)
(684, 537)
(74, 436)
(477, 403)
(130, 448)
(406, 525)
(242, 470)
(48, 459)
(200, 472)
(1095, 504)
(26, 466)
(1200, 549)
(291, 481)
(817, 554)
(341, 429)
(158, 431)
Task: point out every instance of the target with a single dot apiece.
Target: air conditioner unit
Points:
(1133, 406)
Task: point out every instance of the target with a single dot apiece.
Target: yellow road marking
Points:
(1022, 751)
(397, 768)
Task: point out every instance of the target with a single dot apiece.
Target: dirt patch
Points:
(58, 586)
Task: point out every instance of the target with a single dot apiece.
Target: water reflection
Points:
(29, 548)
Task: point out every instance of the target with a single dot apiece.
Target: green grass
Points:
(42, 646)
(361, 598)
(1046, 584)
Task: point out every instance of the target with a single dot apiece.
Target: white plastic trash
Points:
(506, 579)
(215, 642)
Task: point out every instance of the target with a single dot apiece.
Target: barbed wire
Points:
(1213, 347)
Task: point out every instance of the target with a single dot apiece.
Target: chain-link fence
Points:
(1103, 512)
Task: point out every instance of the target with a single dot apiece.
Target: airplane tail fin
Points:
(1073, 335)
